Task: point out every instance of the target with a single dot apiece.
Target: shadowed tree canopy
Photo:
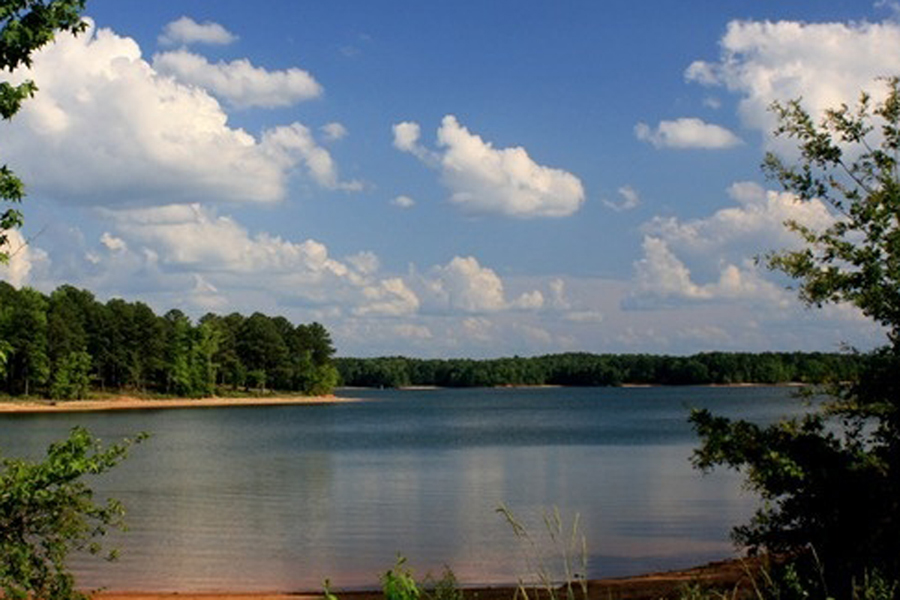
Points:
(831, 481)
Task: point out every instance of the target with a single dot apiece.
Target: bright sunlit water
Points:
(280, 498)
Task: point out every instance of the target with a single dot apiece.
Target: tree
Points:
(47, 511)
(831, 480)
(26, 332)
(25, 26)
(71, 379)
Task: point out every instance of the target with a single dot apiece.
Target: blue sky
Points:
(441, 179)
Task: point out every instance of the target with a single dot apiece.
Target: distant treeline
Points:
(66, 344)
(583, 369)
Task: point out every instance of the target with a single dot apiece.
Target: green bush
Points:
(47, 511)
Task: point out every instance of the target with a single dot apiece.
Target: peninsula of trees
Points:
(583, 369)
(67, 344)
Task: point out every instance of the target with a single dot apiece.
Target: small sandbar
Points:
(132, 403)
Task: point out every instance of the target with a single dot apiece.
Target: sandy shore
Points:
(130, 403)
(733, 577)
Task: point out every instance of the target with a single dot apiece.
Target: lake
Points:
(280, 498)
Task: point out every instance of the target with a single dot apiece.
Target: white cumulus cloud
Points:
(161, 141)
(755, 225)
(711, 259)
(21, 258)
(687, 133)
(484, 179)
(239, 82)
(824, 63)
(662, 278)
(465, 285)
(187, 31)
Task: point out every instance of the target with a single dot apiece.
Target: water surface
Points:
(279, 498)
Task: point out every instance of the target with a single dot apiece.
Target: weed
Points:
(398, 583)
(326, 590)
(445, 588)
(569, 545)
(876, 587)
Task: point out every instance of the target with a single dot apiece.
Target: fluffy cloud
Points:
(662, 278)
(484, 179)
(239, 82)
(334, 131)
(464, 285)
(825, 63)
(187, 31)
(191, 237)
(112, 242)
(159, 139)
(406, 136)
(687, 133)
(222, 257)
(21, 257)
(719, 247)
(755, 225)
(390, 297)
(286, 144)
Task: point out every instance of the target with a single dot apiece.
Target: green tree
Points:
(47, 511)
(831, 480)
(178, 353)
(71, 378)
(29, 364)
(317, 340)
(25, 26)
(261, 349)
(203, 365)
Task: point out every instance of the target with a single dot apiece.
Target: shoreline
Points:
(117, 403)
(133, 403)
(725, 576)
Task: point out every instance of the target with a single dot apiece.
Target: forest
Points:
(584, 369)
(67, 345)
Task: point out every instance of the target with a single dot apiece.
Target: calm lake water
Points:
(280, 498)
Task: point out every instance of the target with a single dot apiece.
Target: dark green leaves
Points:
(831, 481)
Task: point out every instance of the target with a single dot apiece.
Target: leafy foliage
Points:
(47, 511)
(399, 583)
(583, 369)
(831, 481)
(67, 344)
(25, 26)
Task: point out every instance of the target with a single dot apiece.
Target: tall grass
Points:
(566, 544)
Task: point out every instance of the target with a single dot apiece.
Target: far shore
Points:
(133, 403)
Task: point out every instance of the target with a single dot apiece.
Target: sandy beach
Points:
(132, 403)
(725, 576)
